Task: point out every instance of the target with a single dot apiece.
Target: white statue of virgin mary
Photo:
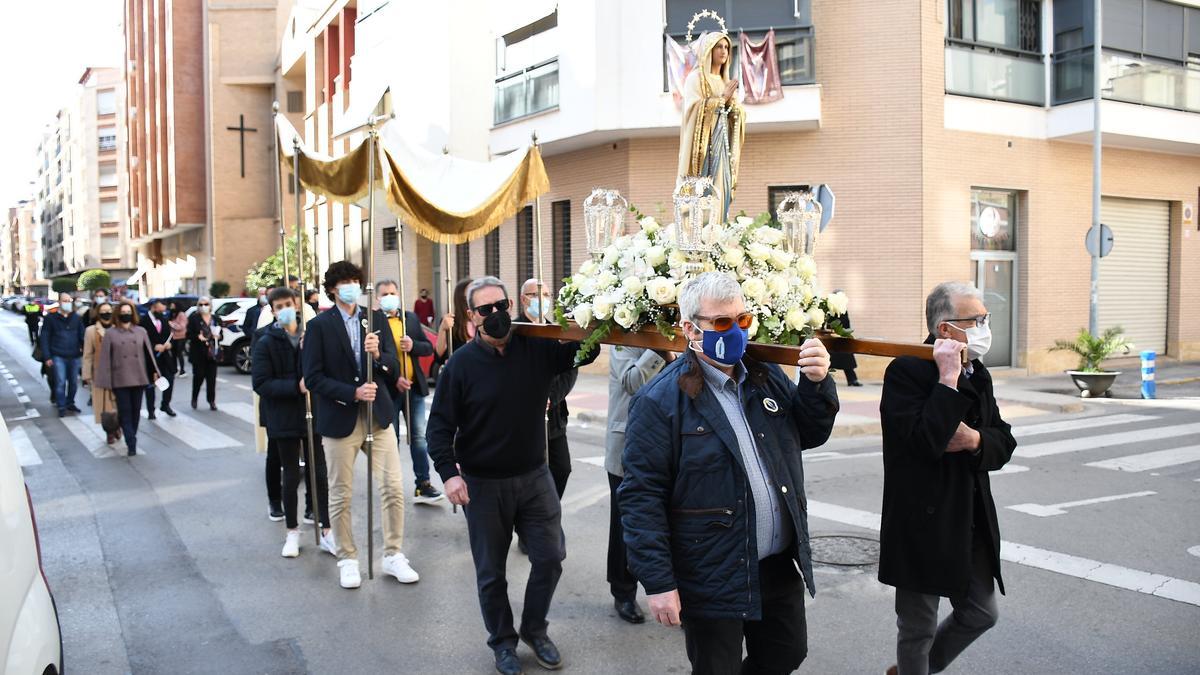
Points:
(713, 127)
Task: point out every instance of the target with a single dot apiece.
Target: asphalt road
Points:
(167, 563)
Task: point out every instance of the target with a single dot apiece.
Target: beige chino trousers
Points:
(340, 455)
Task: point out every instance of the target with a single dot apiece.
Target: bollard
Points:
(1148, 387)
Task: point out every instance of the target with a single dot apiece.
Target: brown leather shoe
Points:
(891, 671)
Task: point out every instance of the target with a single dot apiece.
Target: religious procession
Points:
(689, 211)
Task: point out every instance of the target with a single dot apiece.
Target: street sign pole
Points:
(1094, 301)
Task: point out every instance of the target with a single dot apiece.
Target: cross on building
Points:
(241, 128)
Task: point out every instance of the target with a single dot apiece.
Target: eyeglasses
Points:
(497, 306)
(202, 304)
(724, 323)
(979, 321)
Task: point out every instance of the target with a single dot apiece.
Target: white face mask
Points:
(979, 340)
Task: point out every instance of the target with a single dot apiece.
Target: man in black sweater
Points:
(487, 438)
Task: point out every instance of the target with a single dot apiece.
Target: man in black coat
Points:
(942, 434)
(159, 332)
(337, 352)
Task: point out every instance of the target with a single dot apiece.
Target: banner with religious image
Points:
(759, 66)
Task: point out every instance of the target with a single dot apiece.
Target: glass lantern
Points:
(800, 215)
(696, 216)
(603, 219)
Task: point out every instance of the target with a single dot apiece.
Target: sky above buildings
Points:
(45, 47)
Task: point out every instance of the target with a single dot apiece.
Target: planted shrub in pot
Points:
(1089, 377)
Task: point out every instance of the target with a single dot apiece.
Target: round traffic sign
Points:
(1099, 246)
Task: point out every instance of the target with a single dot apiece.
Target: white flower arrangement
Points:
(636, 281)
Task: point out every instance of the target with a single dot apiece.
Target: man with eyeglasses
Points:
(712, 502)
(487, 438)
(942, 434)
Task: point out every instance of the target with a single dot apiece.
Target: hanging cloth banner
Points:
(443, 198)
(760, 70)
(681, 60)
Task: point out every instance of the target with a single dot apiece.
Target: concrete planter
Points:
(1093, 385)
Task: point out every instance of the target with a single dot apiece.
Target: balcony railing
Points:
(527, 92)
(108, 143)
(1129, 78)
(995, 73)
(793, 53)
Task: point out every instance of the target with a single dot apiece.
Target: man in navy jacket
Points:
(336, 354)
(62, 347)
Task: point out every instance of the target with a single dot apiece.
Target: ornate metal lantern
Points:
(800, 215)
(696, 216)
(603, 219)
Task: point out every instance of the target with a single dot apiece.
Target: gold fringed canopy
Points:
(445, 199)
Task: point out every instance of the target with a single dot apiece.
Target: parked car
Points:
(30, 633)
(184, 301)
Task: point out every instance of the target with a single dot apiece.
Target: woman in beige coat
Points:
(103, 400)
(122, 367)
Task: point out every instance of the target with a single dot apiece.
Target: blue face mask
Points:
(286, 316)
(348, 293)
(389, 303)
(726, 347)
(535, 307)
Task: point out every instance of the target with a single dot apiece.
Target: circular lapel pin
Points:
(364, 323)
(770, 405)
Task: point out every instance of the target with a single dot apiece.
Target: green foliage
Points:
(219, 289)
(266, 273)
(64, 285)
(592, 342)
(1092, 350)
(94, 280)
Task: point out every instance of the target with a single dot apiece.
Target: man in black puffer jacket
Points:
(277, 378)
(712, 502)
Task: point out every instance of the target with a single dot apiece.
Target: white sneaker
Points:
(397, 566)
(291, 546)
(328, 544)
(350, 578)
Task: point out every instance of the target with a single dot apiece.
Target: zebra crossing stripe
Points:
(1107, 441)
(1079, 424)
(1160, 459)
(27, 455)
(193, 433)
(92, 437)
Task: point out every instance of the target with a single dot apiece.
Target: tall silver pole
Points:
(404, 359)
(308, 416)
(1097, 61)
(537, 232)
(368, 272)
(279, 201)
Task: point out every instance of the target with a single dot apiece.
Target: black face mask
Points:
(105, 316)
(125, 318)
(497, 325)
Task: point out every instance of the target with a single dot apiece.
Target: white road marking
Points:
(18, 390)
(594, 461)
(242, 411)
(92, 437)
(1051, 561)
(1009, 469)
(829, 455)
(27, 455)
(1085, 423)
(244, 387)
(1046, 510)
(581, 500)
(23, 398)
(1151, 460)
(222, 380)
(1111, 440)
(194, 433)
(1195, 550)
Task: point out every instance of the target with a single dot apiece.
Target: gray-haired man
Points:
(487, 438)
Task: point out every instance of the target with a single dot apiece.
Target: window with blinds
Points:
(462, 262)
(491, 248)
(524, 244)
(560, 216)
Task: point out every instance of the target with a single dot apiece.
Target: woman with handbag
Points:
(204, 347)
(104, 402)
(124, 360)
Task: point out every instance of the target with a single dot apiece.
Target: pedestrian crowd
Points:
(703, 452)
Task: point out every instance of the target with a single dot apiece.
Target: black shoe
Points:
(508, 663)
(151, 415)
(856, 383)
(62, 412)
(212, 406)
(193, 404)
(545, 652)
(629, 611)
(132, 452)
(167, 409)
(275, 512)
(72, 408)
(427, 494)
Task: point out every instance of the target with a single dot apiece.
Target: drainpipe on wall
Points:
(210, 219)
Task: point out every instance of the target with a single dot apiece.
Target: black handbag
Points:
(109, 422)
(37, 353)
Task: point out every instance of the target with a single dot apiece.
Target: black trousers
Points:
(620, 580)
(274, 475)
(558, 457)
(528, 504)
(777, 643)
(291, 451)
(205, 372)
(166, 398)
(179, 351)
(33, 332)
(129, 412)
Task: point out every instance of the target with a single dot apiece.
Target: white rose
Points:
(605, 279)
(586, 287)
(816, 317)
(806, 266)
(582, 314)
(759, 251)
(755, 289)
(734, 257)
(625, 315)
(602, 308)
(780, 258)
(655, 256)
(768, 235)
(588, 268)
(807, 295)
(838, 303)
(744, 221)
(661, 290)
(753, 329)
(610, 256)
(796, 318)
(649, 225)
(676, 259)
(626, 261)
(640, 243)
(778, 285)
(632, 285)
(623, 242)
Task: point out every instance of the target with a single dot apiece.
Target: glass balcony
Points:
(1128, 78)
(527, 92)
(993, 74)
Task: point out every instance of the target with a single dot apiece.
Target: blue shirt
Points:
(772, 526)
(353, 332)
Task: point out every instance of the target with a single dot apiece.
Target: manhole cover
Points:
(845, 550)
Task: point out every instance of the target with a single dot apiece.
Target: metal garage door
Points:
(1133, 278)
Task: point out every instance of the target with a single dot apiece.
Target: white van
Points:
(30, 641)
